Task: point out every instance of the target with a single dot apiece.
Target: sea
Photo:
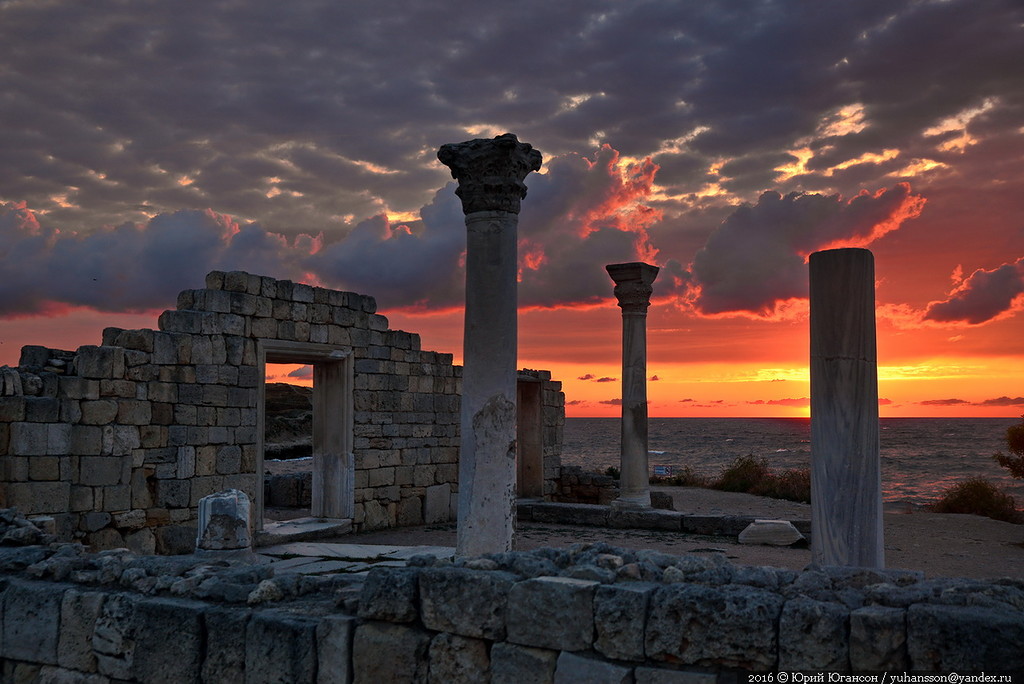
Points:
(920, 457)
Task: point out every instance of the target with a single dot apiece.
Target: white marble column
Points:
(490, 175)
(846, 489)
(633, 288)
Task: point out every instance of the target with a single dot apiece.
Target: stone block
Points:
(225, 521)
(334, 634)
(28, 439)
(31, 621)
(101, 470)
(86, 440)
(39, 497)
(225, 645)
(78, 614)
(169, 642)
(229, 459)
(406, 650)
(731, 626)
(41, 409)
(134, 412)
(280, 647)
(99, 412)
(100, 362)
(653, 675)
(124, 389)
(465, 602)
(12, 409)
(512, 664)
(58, 439)
(770, 533)
(43, 468)
(878, 639)
(458, 660)
(620, 613)
(390, 594)
(571, 668)
(436, 503)
(74, 387)
(172, 493)
(410, 511)
(552, 612)
(949, 638)
(814, 635)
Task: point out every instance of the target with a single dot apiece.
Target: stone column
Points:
(846, 488)
(490, 175)
(633, 288)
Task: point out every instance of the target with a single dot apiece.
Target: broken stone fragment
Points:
(225, 521)
(770, 532)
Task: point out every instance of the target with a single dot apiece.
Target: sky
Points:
(143, 144)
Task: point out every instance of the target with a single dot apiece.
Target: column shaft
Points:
(846, 490)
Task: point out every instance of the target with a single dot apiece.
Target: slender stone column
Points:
(490, 175)
(633, 288)
(846, 487)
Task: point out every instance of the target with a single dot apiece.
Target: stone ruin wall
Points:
(589, 613)
(117, 443)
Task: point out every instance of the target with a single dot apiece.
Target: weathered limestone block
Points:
(171, 640)
(814, 635)
(620, 613)
(878, 639)
(281, 647)
(100, 362)
(390, 594)
(102, 470)
(946, 638)
(572, 668)
(334, 634)
(552, 612)
(436, 503)
(465, 602)
(113, 638)
(732, 626)
(653, 675)
(225, 645)
(406, 651)
(458, 660)
(512, 664)
(225, 522)
(770, 532)
(31, 621)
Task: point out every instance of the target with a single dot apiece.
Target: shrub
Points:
(1015, 443)
(612, 472)
(978, 496)
(686, 477)
(753, 475)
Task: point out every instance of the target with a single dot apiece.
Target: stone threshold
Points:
(593, 515)
(301, 529)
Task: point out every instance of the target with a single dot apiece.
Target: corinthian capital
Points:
(633, 285)
(490, 172)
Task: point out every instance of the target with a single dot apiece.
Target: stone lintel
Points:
(490, 172)
(633, 285)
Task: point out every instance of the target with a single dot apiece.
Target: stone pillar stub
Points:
(634, 284)
(225, 525)
(846, 489)
(490, 175)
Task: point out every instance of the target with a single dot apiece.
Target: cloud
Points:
(303, 373)
(131, 267)
(612, 402)
(981, 297)
(588, 376)
(756, 259)
(606, 379)
(799, 401)
(943, 402)
(1003, 401)
(653, 378)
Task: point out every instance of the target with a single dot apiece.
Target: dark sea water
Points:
(921, 457)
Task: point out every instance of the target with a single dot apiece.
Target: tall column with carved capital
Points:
(633, 288)
(490, 175)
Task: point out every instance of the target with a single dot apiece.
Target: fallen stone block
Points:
(771, 533)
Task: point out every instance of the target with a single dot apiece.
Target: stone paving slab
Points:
(320, 557)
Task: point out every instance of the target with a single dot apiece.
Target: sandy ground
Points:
(941, 545)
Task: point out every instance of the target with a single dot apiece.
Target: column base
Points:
(631, 504)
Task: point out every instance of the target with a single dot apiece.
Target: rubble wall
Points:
(588, 613)
(118, 442)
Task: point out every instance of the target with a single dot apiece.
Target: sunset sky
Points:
(144, 144)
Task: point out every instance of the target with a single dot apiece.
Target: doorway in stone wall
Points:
(332, 463)
(287, 441)
(529, 438)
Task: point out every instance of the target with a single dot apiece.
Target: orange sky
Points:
(143, 150)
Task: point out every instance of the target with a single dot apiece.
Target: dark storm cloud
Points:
(981, 297)
(756, 258)
(324, 117)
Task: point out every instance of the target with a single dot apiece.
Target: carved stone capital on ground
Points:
(633, 285)
(490, 172)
